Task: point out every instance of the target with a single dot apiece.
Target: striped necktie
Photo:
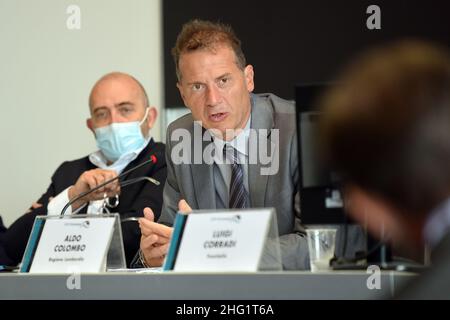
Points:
(238, 194)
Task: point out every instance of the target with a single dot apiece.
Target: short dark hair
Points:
(199, 35)
(386, 126)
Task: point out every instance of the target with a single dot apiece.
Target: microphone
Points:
(153, 159)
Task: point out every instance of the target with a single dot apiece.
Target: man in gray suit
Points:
(389, 139)
(215, 83)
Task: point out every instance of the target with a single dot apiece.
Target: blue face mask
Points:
(120, 138)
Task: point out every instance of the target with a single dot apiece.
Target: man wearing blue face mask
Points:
(121, 138)
(121, 119)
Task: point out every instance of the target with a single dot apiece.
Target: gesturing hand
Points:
(155, 237)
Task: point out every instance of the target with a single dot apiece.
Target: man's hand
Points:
(36, 205)
(91, 179)
(155, 237)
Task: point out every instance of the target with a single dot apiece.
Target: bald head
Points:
(119, 77)
(119, 97)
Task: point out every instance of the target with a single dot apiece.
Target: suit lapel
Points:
(143, 156)
(203, 177)
(262, 118)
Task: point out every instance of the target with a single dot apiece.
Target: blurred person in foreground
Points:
(386, 130)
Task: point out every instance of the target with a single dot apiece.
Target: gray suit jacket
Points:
(195, 182)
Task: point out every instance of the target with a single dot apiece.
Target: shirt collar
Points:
(99, 160)
(437, 224)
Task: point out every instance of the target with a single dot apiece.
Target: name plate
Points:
(62, 245)
(232, 240)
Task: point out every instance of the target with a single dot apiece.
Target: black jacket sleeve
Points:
(16, 236)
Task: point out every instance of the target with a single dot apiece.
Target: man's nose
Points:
(213, 96)
(114, 117)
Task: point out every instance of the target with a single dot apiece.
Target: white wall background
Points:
(46, 73)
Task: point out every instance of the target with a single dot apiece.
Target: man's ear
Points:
(151, 117)
(249, 74)
(90, 125)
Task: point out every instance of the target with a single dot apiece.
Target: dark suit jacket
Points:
(132, 201)
(434, 283)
